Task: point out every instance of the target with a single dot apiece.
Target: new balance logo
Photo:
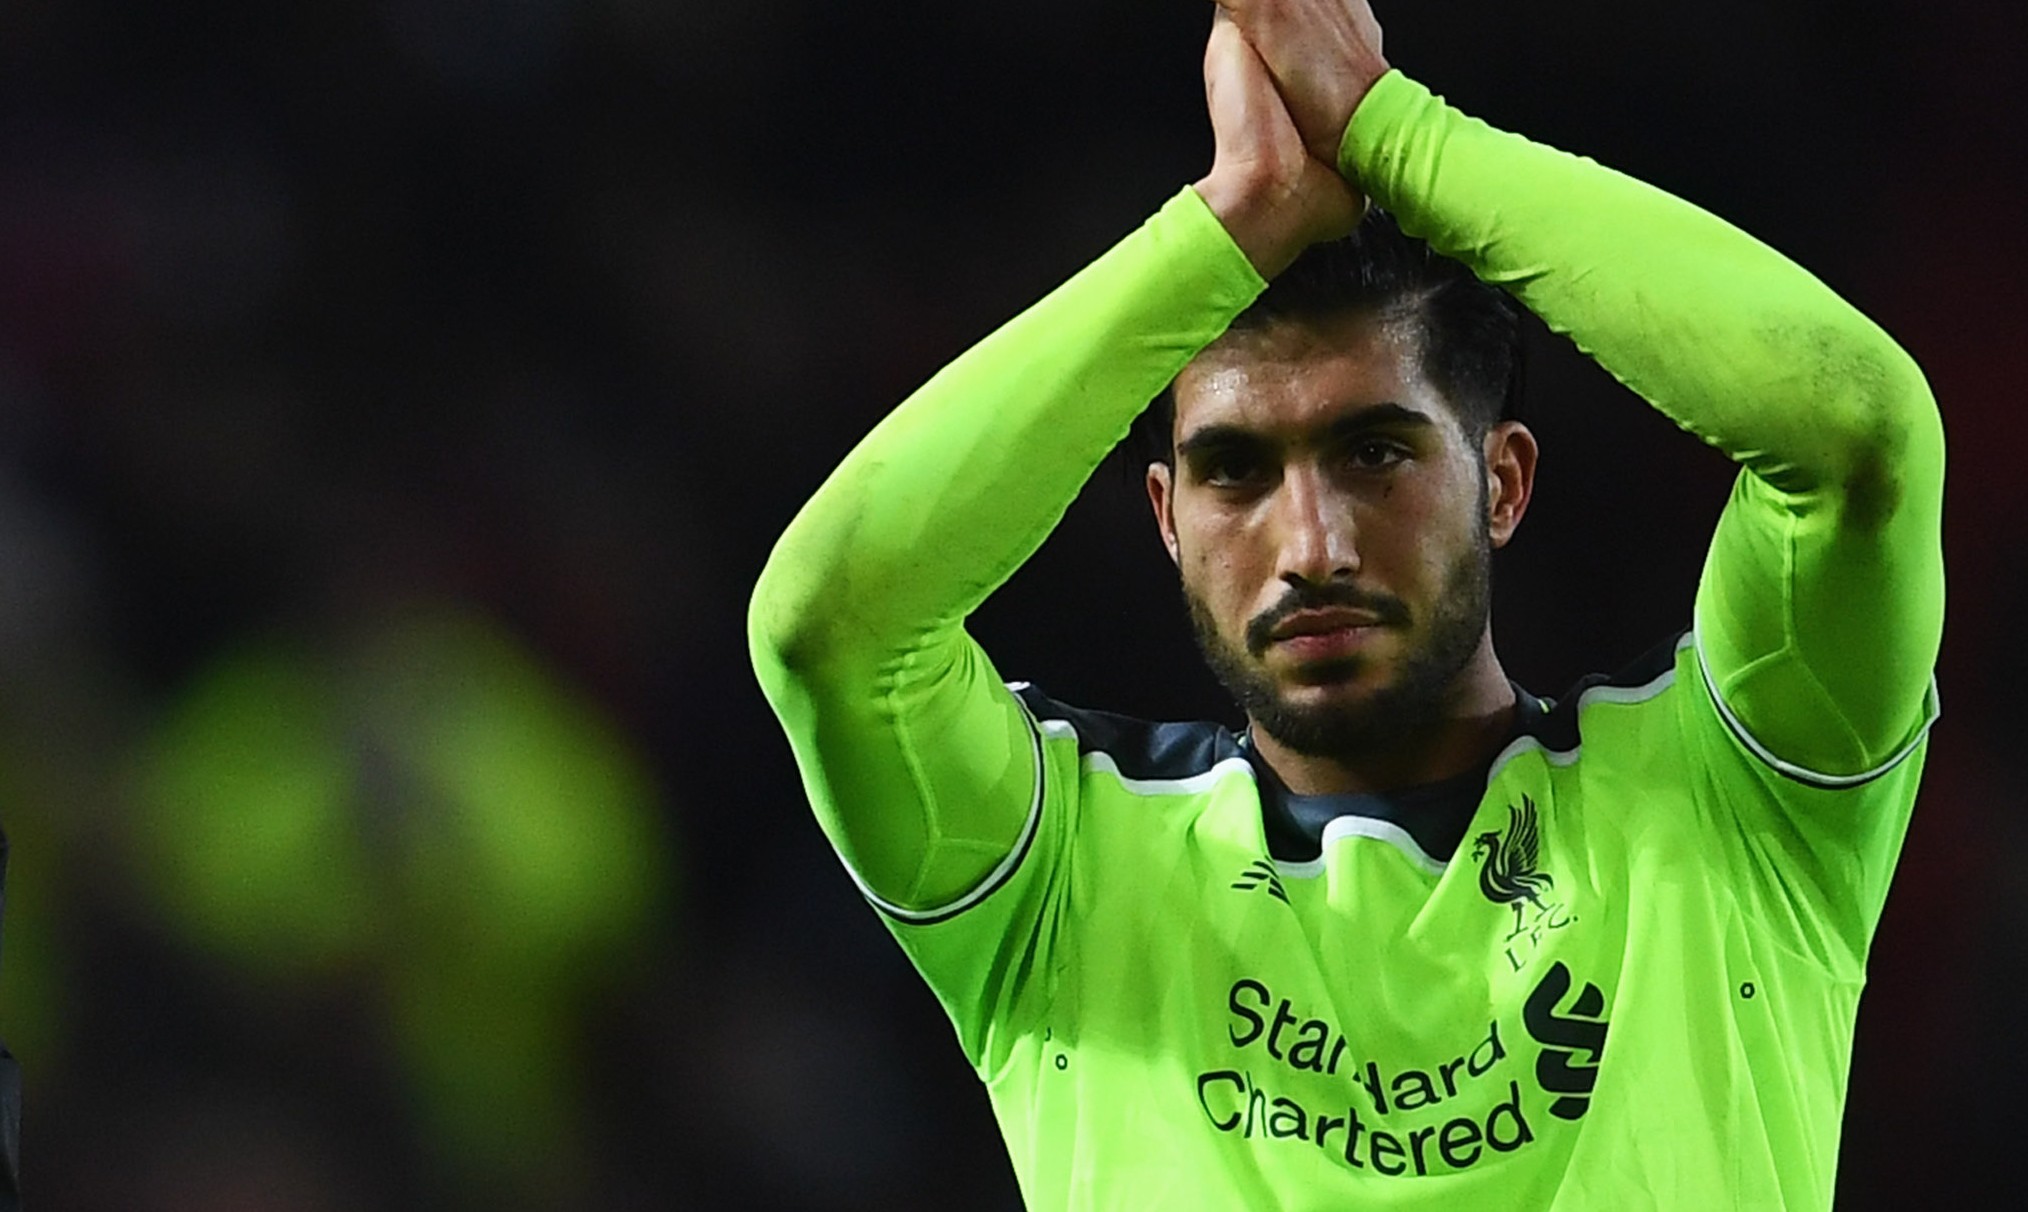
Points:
(1564, 1036)
(1261, 874)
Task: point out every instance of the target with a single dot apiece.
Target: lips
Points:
(1325, 623)
(1309, 623)
(1315, 637)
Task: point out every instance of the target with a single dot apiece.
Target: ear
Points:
(1510, 478)
(1162, 495)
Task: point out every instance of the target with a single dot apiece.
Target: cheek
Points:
(1414, 528)
(1215, 562)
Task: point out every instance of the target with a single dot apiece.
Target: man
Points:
(1415, 939)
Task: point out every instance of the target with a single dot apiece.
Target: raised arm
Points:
(918, 761)
(1820, 611)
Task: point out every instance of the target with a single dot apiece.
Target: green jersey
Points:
(1615, 969)
(1606, 972)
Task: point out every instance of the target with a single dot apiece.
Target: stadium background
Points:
(398, 399)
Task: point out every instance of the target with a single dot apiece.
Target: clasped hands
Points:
(1281, 81)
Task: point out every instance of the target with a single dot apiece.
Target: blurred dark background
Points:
(398, 400)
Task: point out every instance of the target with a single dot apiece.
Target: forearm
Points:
(959, 485)
(915, 758)
(1724, 335)
(1820, 610)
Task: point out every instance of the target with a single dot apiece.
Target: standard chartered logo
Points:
(1296, 1078)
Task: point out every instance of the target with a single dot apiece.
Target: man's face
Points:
(1333, 524)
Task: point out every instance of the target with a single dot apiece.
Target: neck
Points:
(1473, 721)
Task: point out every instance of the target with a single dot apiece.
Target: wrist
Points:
(1351, 150)
(1349, 95)
(1257, 216)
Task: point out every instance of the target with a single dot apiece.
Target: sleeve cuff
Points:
(1188, 219)
(1363, 152)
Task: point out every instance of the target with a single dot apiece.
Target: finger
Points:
(1224, 88)
(1221, 16)
(1239, 88)
(1220, 19)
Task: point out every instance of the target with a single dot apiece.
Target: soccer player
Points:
(1414, 938)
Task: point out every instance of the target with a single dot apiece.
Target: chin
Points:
(1330, 688)
(1335, 726)
(1296, 702)
(1342, 707)
(1351, 676)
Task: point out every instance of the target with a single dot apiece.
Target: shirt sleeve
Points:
(1820, 609)
(923, 768)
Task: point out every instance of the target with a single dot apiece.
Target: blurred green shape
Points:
(249, 823)
(542, 848)
(420, 804)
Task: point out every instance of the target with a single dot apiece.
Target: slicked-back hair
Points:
(1468, 334)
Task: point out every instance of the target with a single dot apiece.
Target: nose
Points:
(1318, 540)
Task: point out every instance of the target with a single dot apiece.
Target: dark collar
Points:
(1436, 815)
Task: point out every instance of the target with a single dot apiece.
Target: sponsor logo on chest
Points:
(1294, 1075)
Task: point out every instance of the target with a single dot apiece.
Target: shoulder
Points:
(1560, 726)
(1135, 749)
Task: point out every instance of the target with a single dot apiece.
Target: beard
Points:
(1414, 701)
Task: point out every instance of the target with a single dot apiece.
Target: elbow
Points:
(782, 638)
(801, 626)
(768, 641)
(1895, 458)
(809, 606)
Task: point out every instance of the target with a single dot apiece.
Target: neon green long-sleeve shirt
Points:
(1635, 989)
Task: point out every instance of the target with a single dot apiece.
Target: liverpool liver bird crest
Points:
(1507, 873)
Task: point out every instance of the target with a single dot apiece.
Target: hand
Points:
(1324, 56)
(1272, 195)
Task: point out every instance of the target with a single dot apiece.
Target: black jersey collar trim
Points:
(1432, 816)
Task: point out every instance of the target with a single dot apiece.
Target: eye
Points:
(1375, 454)
(1229, 468)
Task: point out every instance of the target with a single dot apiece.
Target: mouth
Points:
(1335, 633)
(1322, 622)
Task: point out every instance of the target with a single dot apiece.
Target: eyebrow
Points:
(1376, 416)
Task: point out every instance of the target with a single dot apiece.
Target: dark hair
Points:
(1469, 333)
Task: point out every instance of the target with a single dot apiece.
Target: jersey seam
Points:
(993, 880)
(1101, 762)
(1350, 825)
(1796, 772)
(1606, 693)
